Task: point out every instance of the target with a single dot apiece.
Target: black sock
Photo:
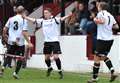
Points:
(58, 63)
(18, 66)
(9, 62)
(6, 61)
(109, 65)
(96, 70)
(48, 63)
(0, 63)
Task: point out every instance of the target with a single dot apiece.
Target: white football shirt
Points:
(50, 29)
(16, 25)
(104, 31)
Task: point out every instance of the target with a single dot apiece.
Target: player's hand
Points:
(95, 19)
(24, 16)
(70, 14)
(99, 21)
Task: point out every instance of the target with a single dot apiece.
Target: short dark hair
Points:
(103, 5)
(48, 9)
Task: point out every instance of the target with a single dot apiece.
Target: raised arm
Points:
(29, 18)
(65, 17)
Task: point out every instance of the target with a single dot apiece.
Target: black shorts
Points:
(16, 50)
(52, 47)
(103, 47)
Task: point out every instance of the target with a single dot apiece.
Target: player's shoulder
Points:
(10, 18)
(13, 17)
(102, 13)
(57, 18)
(40, 19)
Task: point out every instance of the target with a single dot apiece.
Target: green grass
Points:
(39, 76)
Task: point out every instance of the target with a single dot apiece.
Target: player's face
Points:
(47, 14)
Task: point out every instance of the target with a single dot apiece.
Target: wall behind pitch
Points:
(74, 55)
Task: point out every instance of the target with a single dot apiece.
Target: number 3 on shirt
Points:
(15, 25)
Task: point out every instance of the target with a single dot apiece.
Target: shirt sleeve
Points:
(114, 21)
(7, 23)
(58, 19)
(25, 26)
(38, 21)
(100, 15)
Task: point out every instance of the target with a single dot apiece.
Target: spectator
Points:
(76, 9)
(90, 25)
(13, 2)
(73, 21)
(92, 5)
(92, 30)
(20, 2)
(83, 18)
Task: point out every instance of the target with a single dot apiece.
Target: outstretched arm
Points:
(65, 17)
(29, 18)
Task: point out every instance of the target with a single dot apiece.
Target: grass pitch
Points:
(39, 76)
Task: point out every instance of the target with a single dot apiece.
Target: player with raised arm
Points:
(50, 27)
